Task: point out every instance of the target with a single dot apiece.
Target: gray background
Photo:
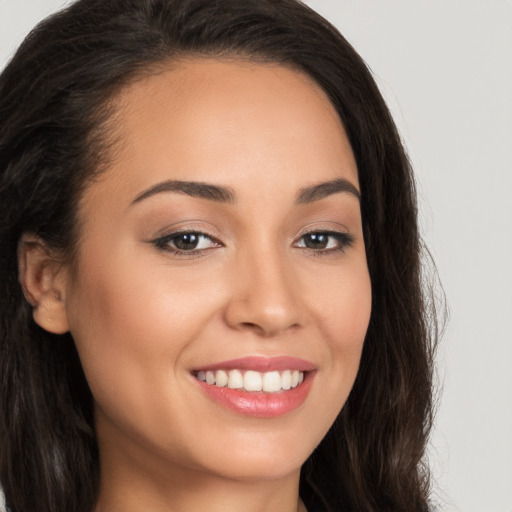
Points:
(445, 68)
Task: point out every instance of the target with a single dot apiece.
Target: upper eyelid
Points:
(209, 234)
(327, 231)
(179, 231)
(341, 231)
(323, 226)
(172, 231)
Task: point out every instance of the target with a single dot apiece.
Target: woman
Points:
(210, 267)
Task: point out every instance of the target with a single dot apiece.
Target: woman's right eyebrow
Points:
(191, 188)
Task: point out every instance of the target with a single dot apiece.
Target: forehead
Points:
(222, 120)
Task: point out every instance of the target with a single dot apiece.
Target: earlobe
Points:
(42, 278)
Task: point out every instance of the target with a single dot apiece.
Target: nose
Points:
(265, 297)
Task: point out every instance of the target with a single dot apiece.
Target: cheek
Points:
(342, 301)
(130, 323)
(343, 314)
(126, 301)
(355, 302)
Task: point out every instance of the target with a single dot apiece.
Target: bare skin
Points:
(274, 273)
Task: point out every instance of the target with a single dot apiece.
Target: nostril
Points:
(255, 328)
(250, 325)
(266, 329)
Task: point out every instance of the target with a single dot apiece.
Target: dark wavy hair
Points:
(56, 102)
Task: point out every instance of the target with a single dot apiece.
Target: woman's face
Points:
(224, 242)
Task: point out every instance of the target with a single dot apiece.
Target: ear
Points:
(43, 278)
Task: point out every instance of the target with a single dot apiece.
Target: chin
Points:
(261, 457)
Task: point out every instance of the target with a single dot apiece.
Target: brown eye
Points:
(325, 241)
(316, 240)
(186, 241)
(189, 241)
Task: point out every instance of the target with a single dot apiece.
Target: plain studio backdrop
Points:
(445, 68)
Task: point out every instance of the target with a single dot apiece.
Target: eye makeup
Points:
(194, 243)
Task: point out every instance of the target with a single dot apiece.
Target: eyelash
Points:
(343, 241)
(164, 243)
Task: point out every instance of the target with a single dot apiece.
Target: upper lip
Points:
(261, 364)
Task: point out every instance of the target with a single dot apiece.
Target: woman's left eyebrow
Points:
(321, 190)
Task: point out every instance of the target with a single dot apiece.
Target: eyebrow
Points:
(320, 191)
(225, 194)
(190, 188)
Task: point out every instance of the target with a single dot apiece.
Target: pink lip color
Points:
(261, 404)
(262, 364)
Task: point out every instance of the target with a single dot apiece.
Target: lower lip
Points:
(260, 404)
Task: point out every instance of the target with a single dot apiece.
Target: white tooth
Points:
(221, 378)
(235, 380)
(252, 381)
(271, 382)
(201, 375)
(210, 377)
(295, 378)
(286, 379)
(301, 377)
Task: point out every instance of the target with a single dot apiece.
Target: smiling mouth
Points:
(252, 381)
(255, 386)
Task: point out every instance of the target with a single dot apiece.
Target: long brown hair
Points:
(54, 118)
